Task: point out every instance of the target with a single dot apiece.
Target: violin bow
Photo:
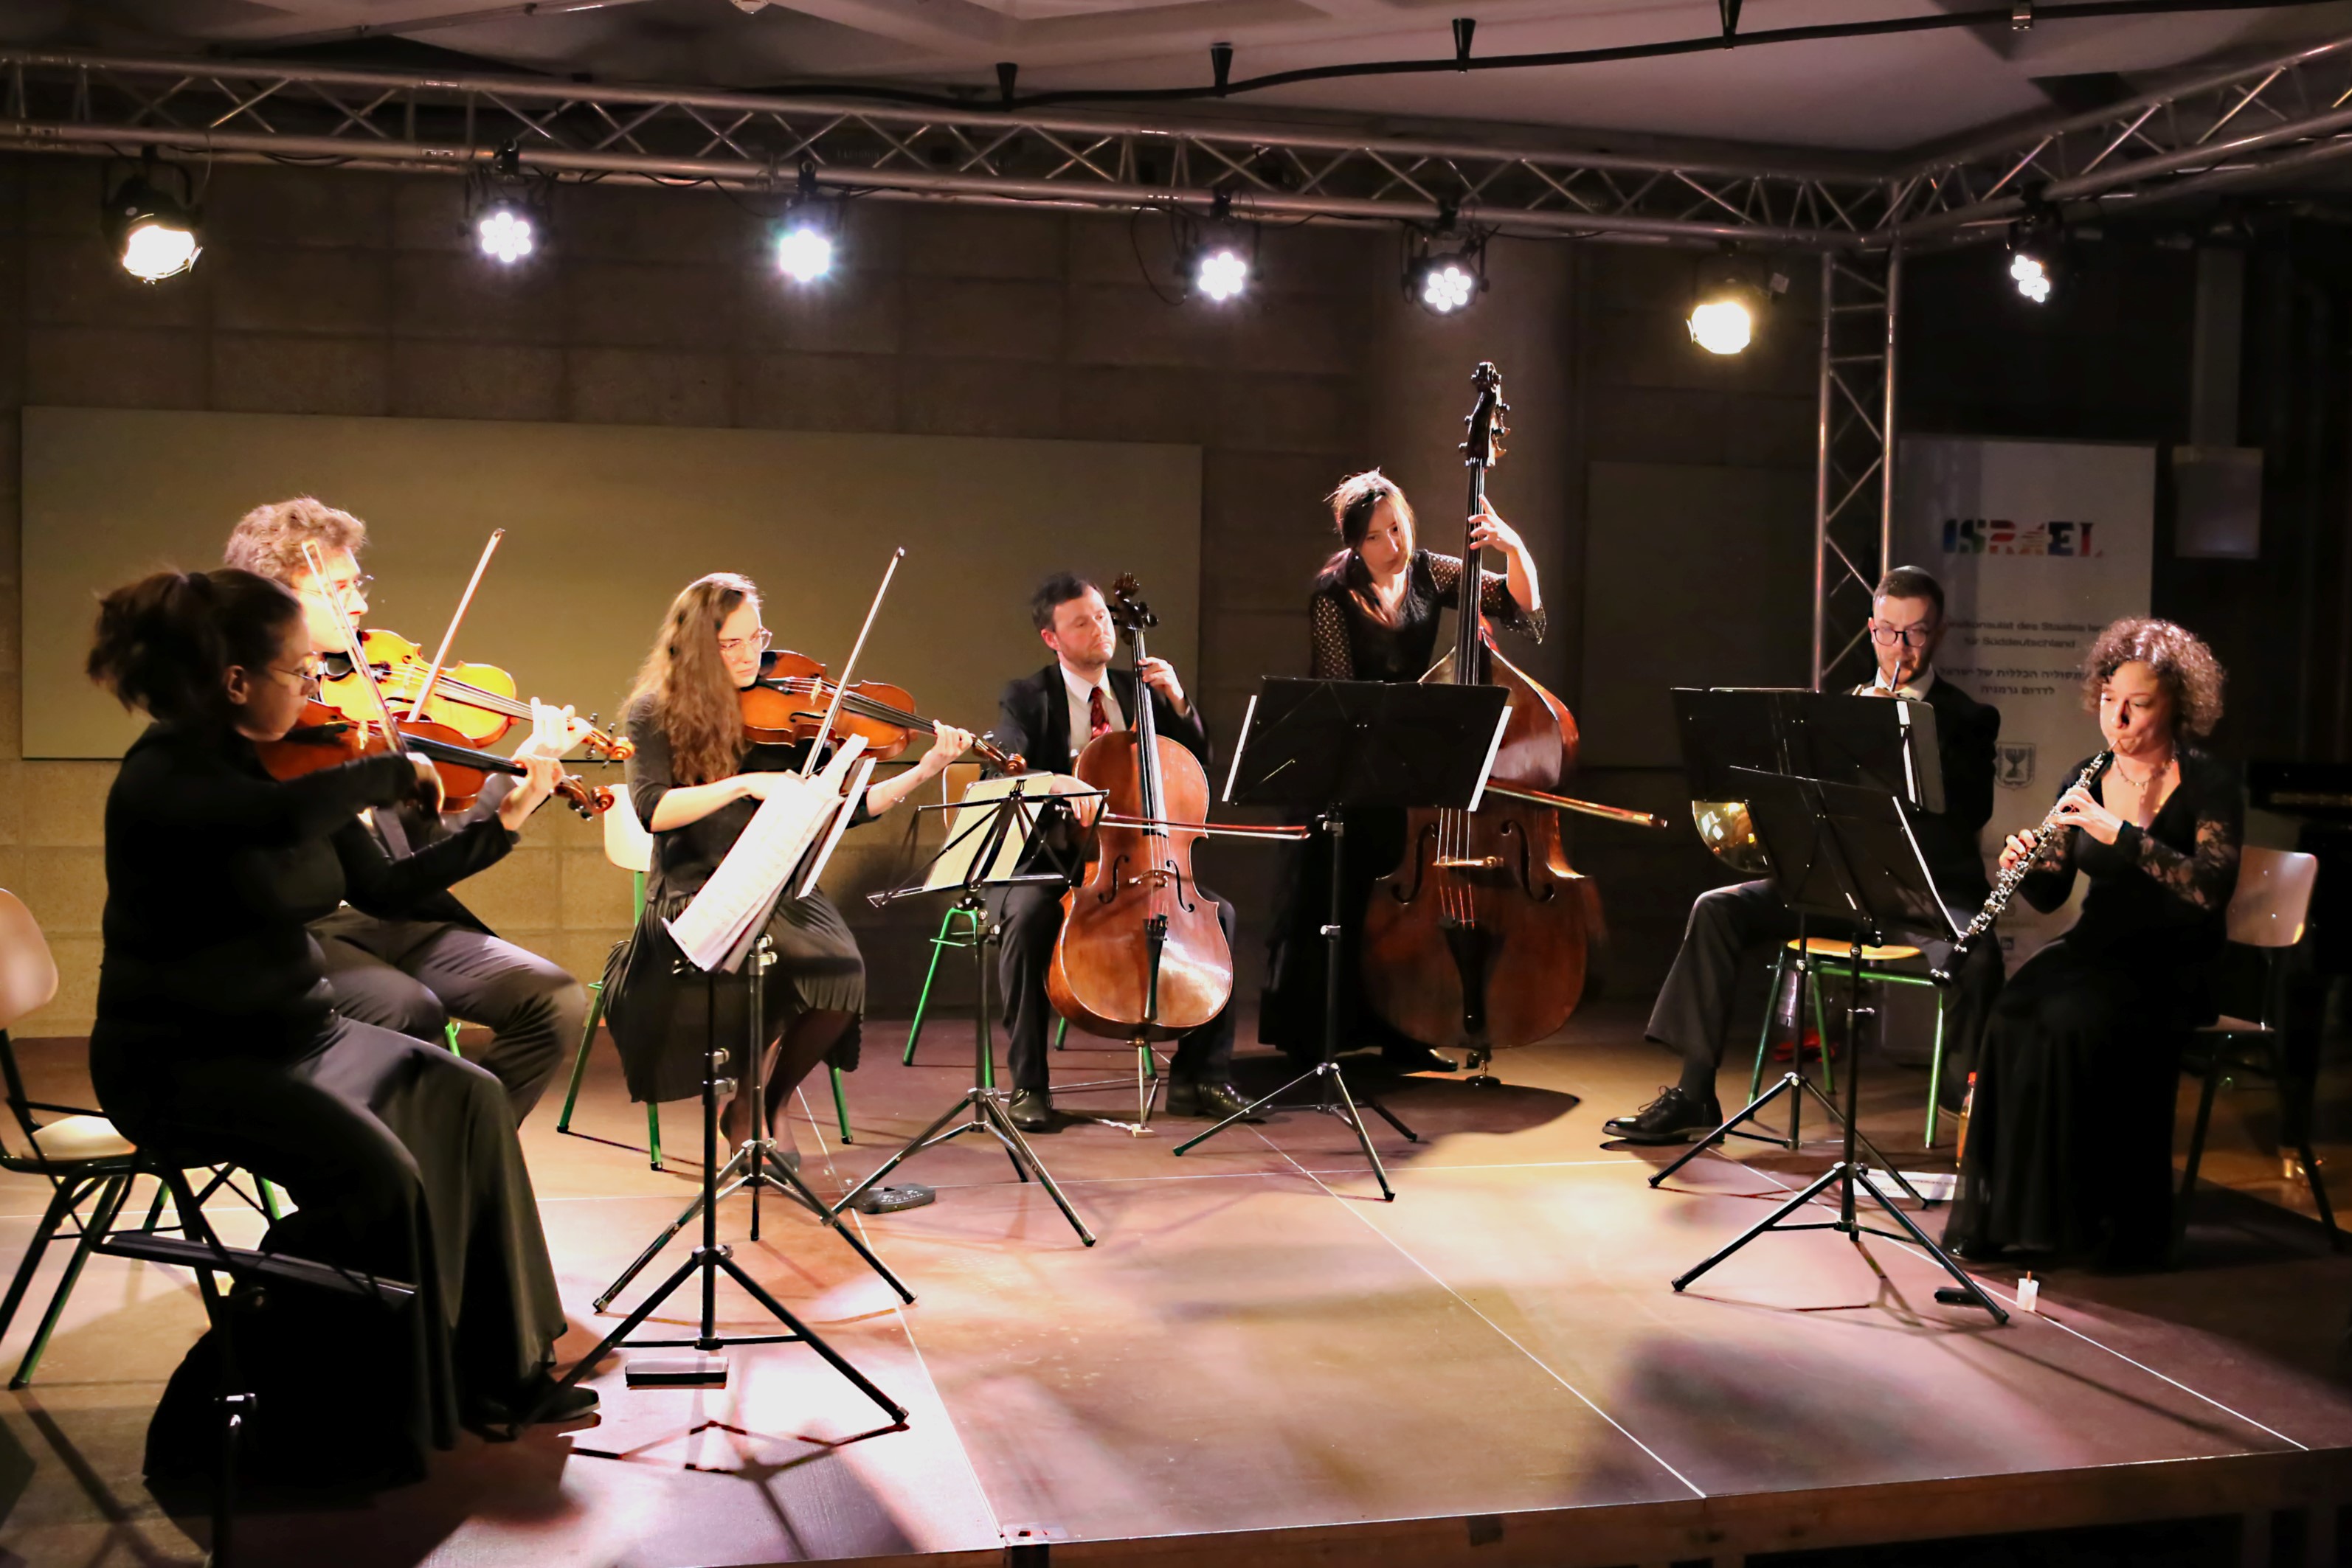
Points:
(849, 667)
(465, 602)
(352, 642)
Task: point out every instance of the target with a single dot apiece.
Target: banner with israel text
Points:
(2039, 545)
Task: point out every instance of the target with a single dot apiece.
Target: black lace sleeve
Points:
(2204, 877)
(1495, 600)
(1330, 655)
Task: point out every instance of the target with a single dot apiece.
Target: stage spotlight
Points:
(2031, 276)
(154, 233)
(1445, 272)
(506, 207)
(1728, 303)
(1220, 273)
(1447, 286)
(506, 233)
(803, 251)
(1722, 326)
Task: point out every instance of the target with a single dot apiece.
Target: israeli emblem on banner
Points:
(2012, 763)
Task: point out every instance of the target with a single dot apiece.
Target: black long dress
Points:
(663, 1013)
(215, 1041)
(1349, 642)
(2070, 1140)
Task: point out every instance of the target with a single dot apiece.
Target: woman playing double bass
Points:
(1373, 616)
(697, 782)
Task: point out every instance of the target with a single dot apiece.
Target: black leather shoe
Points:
(1415, 1058)
(1032, 1110)
(541, 1401)
(1198, 1097)
(1673, 1117)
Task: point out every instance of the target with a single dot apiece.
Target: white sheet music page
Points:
(744, 889)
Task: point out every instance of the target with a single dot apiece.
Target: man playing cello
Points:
(1049, 717)
(414, 974)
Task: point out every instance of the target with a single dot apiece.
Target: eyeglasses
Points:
(361, 587)
(1910, 636)
(756, 642)
(307, 675)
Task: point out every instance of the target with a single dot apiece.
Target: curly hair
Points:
(687, 684)
(268, 540)
(2192, 676)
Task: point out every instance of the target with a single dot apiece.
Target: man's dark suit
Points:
(1694, 1004)
(1034, 719)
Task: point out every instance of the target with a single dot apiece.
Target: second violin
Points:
(790, 701)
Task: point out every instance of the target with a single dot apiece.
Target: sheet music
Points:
(841, 815)
(743, 890)
(968, 828)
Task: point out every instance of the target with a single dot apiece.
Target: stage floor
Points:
(1262, 1362)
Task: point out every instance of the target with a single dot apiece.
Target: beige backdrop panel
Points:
(605, 523)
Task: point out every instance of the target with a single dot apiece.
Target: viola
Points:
(1475, 941)
(476, 704)
(789, 702)
(324, 737)
(1141, 955)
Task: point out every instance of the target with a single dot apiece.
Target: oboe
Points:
(2006, 888)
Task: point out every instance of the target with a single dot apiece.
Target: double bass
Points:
(1475, 941)
(1142, 955)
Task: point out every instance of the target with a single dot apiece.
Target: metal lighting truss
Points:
(1854, 478)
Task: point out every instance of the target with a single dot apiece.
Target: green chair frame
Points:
(1815, 966)
(958, 929)
(653, 1110)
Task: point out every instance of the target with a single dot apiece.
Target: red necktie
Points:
(1098, 721)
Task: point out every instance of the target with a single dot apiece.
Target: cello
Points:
(1141, 956)
(1475, 941)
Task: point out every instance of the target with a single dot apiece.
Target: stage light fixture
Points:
(1444, 271)
(1728, 305)
(506, 207)
(806, 246)
(1220, 273)
(506, 233)
(156, 234)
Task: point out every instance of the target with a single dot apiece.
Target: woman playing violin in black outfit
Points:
(697, 783)
(1373, 616)
(216, 1038)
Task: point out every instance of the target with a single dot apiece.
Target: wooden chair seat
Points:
(80, 1138)
(2227, 1025)
(1831, 947)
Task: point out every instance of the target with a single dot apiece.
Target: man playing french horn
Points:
(1694, 1006)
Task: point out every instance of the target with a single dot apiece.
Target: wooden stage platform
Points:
(1264, 1363)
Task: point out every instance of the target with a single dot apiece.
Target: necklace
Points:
(2141, 783)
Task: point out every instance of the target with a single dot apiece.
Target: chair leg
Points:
(1935, 1074)
(62, 1202)
(2196, 1152)
(652, 1132)
(841, 1107)
(941, 940)
(2294, 1113)
(1061, 1032)
(101, 1219)
(451, 1029)
(272, 1203)
(1771, 1016)
(580, 1058)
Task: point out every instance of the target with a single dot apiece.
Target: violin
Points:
(789, 702)
(1476, 939)
(476, 704)
(1141, 955)
(325, 737)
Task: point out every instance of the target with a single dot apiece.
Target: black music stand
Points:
(1325, 746)
(983, 1105)
(1847, 854)
(1730, 735)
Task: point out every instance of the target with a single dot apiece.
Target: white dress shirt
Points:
(1917, 688)
(1082, 722)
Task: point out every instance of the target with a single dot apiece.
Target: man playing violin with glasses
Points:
(1694, 1006)
(439, 962)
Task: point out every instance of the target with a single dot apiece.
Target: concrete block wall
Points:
(342, 292)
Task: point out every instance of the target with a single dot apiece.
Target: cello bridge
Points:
(1159, 876)
(1469, 862)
